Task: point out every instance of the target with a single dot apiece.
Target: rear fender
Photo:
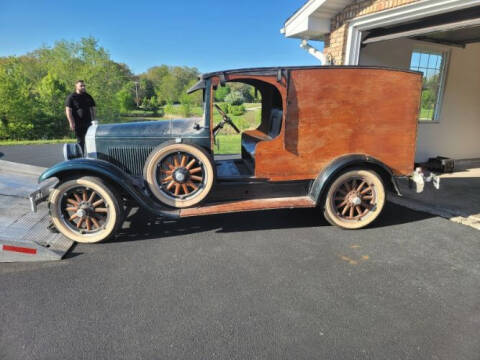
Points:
(110, 173)
(331, 171)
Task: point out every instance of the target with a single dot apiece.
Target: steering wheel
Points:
(226, 119)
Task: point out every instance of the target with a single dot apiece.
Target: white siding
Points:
(457, 133)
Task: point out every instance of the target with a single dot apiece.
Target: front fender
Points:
(112, 174)
(332, 170)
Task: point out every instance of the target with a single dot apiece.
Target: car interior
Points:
(243, 164)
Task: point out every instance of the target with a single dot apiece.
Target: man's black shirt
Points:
(80, 105)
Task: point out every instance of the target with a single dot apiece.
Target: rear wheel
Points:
(179, 175)
(86, 210)
(355, 199)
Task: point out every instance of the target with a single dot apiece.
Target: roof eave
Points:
(312, 20)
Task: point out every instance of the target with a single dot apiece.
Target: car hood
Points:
(145, 129)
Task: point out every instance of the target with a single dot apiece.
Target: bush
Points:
(169, 108)
(225, 107)
(19, 130)
(235, 98)
(186, 109)
(237, 110)
(221, 92)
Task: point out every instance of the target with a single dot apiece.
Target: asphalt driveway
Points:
(39, 155)
(267, 285)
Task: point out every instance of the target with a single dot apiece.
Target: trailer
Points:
(26, 235)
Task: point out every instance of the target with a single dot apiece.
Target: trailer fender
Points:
(334, 168)
(110, 173)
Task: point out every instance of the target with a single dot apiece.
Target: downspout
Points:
(314, 52)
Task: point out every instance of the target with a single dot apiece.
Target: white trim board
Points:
(394, 16)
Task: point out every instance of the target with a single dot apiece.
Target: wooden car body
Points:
(328, 112)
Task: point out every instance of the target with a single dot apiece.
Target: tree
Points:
(186, 105)
(17, 106)
(125, 97)
(244, 89)
(170, 82)
(221, 92)
(51, 94)
(146, 88)
(235, 98)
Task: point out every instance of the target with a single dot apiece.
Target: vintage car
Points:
(333, 138)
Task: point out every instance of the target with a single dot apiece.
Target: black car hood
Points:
(145, 129)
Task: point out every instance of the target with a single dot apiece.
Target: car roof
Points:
(275, 69)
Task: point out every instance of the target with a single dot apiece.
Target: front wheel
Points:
(86, 210)
(355, 199)
(179, 175)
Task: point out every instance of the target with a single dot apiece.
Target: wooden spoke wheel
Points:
(355, 199)
(86, 209)
(179, 175)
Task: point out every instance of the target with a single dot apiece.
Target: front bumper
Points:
(42, 192)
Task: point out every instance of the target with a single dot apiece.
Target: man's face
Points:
(80, 87)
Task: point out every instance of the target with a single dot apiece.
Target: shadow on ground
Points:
(1, 154)
(141, 225)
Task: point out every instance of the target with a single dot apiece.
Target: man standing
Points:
(80, 110)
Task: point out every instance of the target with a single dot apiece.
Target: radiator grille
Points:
(129, 158)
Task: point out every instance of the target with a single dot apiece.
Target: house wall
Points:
(457, 132)
(335, 42)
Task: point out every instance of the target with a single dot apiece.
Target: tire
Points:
(99, 211)
(355, 199)
(179, 175)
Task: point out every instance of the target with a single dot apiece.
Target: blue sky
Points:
(210, 35)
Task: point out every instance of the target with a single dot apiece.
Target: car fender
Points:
(335, 167)
(110, 173)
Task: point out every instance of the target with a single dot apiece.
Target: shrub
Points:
(186, 109)
(237, 110)
(221, 92)
(169, 108)
(235, 98)
(225, 107)
(186, 105)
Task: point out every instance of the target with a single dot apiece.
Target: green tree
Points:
(51, 93)
(186, 104)
(17, 105)
(221, 92)
(166, 89)
(235, 98)
(244, 89)
(125, 97)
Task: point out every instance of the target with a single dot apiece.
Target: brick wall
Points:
(335, 41)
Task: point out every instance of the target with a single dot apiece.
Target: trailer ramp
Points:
(24, 235)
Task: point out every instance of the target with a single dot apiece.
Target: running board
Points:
(250, 205)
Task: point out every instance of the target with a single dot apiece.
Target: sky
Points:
(207, 34)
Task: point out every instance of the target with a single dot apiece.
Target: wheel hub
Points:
(180, 175)
(354, 198)
(85, 209)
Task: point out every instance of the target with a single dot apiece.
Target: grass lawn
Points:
(426, 114)
(227, 144)
(36, 142)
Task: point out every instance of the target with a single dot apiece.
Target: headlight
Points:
(72, 151)
(90, 144)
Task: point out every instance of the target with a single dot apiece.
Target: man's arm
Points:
(93, 112)
(71, 120)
